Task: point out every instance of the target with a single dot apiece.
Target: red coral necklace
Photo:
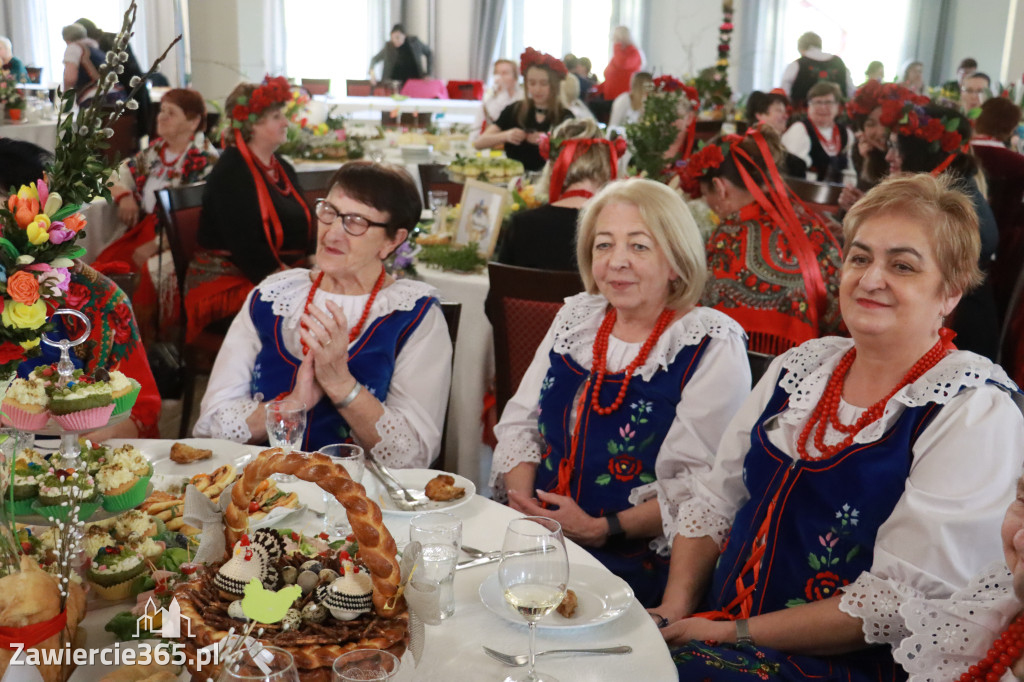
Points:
(827, 410)
(1000, 656)
(354, 332)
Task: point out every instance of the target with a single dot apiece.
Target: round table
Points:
(42, 133)
(452, 650)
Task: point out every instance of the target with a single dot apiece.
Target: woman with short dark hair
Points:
(368, 355)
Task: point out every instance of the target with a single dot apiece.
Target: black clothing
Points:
(976, 320)
(810, 71)
(542, 238)
(231, 219)
(828, 168)
(389, 54)
(405, 67)
(524, 152)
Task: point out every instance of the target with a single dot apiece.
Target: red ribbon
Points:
(570, 149)
(937, 171)
(272, 227)
(31, 635)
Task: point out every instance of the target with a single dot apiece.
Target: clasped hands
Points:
(518, 136)
(577, 525)
(324, 369)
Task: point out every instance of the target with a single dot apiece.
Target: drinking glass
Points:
(241, 666)
(438, 199)
(365, 664)
(533, 573)
(440, 534)
(352, 458)
(286, 424)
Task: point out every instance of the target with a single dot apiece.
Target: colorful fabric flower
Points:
(75, 222)
(59, 233)
(23, 287)
(9, 352)
(20, 316)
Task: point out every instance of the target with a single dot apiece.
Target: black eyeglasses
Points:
(353, 223)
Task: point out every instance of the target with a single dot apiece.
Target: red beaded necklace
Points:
(354, 332)
(173, 162)
(827, 410)
(598, 371)
(1000, 656)
(832, 145)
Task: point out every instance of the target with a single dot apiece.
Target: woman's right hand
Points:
(515, 136)
(666, 611)
(848, 197)
(128, 210)
(307, 389)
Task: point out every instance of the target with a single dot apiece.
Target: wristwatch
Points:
(615, 530)
(743, 633)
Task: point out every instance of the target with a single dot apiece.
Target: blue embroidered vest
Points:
(617, 452)
(371, 360)
(826, 514)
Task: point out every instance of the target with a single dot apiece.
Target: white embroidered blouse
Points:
(417, 398)
(712, 395)
(945, 526)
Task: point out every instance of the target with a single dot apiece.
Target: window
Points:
(582, 27)
(859, 32)
(330, 39)
(106, 14)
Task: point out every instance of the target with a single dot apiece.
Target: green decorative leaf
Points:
(953, 124)
(795, 602)
(647, 477)
(8, 248)
(548, 465)
(852, 553)
(77, 253)
(613, 447)
(812, 559)
(603, 479)
(65, 211)
(835, 560)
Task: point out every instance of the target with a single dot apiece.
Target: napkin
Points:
(203, 513)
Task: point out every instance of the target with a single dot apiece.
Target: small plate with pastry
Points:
(594, 596)
(443, 491)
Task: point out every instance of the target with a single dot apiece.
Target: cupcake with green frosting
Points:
(124, 390)
(112, 572)
(82, 405)
(29, 469)
(63, 489)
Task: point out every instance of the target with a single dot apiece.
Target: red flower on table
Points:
(121, 321)
(624, 467)
(823, 586)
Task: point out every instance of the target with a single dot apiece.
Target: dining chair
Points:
(1011, 337)
(358, 88)
(758, 365)
(521, 305)
(125, 140)
(822, 197)
(434, 176)
(452, 312)
(317, 86)
(465, 89)
(405, 119)
(314, 184)
(179, 210)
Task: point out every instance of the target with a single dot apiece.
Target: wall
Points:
(683, 36)
(976, 30)
(216, 58)
(451, 37)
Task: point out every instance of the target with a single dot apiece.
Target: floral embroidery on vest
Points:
(623, 465)
(834, 552)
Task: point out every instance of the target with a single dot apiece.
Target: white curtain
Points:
(758, 52)
(24, 22)
(159, 22)
(274, 39)
(488, 16)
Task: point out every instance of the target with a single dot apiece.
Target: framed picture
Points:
(483, 207)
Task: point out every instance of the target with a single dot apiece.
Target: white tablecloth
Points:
(473, 370)
(452, 651)
(101, 229)
(42, 133)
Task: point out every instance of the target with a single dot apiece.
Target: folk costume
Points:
(254, 221)
(113, 342)
(402, 356)
(895, 511)
(665, 429)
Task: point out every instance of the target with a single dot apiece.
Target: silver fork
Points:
(523, 659)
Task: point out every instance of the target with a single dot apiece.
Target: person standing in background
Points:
(814, 66)
(403, 57)
(9, 64)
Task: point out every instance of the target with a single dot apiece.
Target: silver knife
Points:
(490, 559)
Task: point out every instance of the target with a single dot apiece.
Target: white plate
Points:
(602, 596)
(415, 480)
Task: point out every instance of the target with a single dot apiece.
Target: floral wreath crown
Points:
(669, 84)
(710, 157)
(270, 92)
(531, 57)
(890, 96)
(940, 132)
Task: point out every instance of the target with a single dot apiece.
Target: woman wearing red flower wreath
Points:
(774, 266)
(859, 474)
(521, 124)
(934, 139)
(180, 155)
(629, 393)
(254, 219)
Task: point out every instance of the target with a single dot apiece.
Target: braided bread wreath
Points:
(314, 653)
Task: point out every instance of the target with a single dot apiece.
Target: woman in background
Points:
(629, 106)
(9, 64)
(504, 91)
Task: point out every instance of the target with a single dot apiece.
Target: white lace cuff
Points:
(950, 635)
(229, 422)
(695, 520)
(661, 544)
(877, 602)
(522, 446)
(399, 447)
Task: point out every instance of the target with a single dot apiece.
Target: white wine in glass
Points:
(533, 573)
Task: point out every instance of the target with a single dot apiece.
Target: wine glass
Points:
(286, 424)
(352, 458)
(269, 664)
(438, 199)
(534, 572)
(365, 664)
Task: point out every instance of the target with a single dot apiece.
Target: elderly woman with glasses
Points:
(818, 140)
(368, 355)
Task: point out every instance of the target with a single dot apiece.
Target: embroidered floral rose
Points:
(23, 287)
(78, 295)
(121, 320)
(625, 467)
(823, 586)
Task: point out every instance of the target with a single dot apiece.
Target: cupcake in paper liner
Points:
(135, 523)
(112, 571)
(61, 512)
(82, 405)
(124, 390)
(24, 405)
(29, 469)
(122, 489)
(65, 485)
(131, 458)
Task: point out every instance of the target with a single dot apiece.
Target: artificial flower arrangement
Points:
(10, 98)
(651, 136)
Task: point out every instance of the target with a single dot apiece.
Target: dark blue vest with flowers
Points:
(617, 452)
(371, 360)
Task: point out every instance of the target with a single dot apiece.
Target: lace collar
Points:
(286, 292)
(810, 365)
(577, 323)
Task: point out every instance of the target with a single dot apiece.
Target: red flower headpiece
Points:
(671, 84)
(938, 132)
(890, 96)
(710, 157)
(272, 91)
(532, 57)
